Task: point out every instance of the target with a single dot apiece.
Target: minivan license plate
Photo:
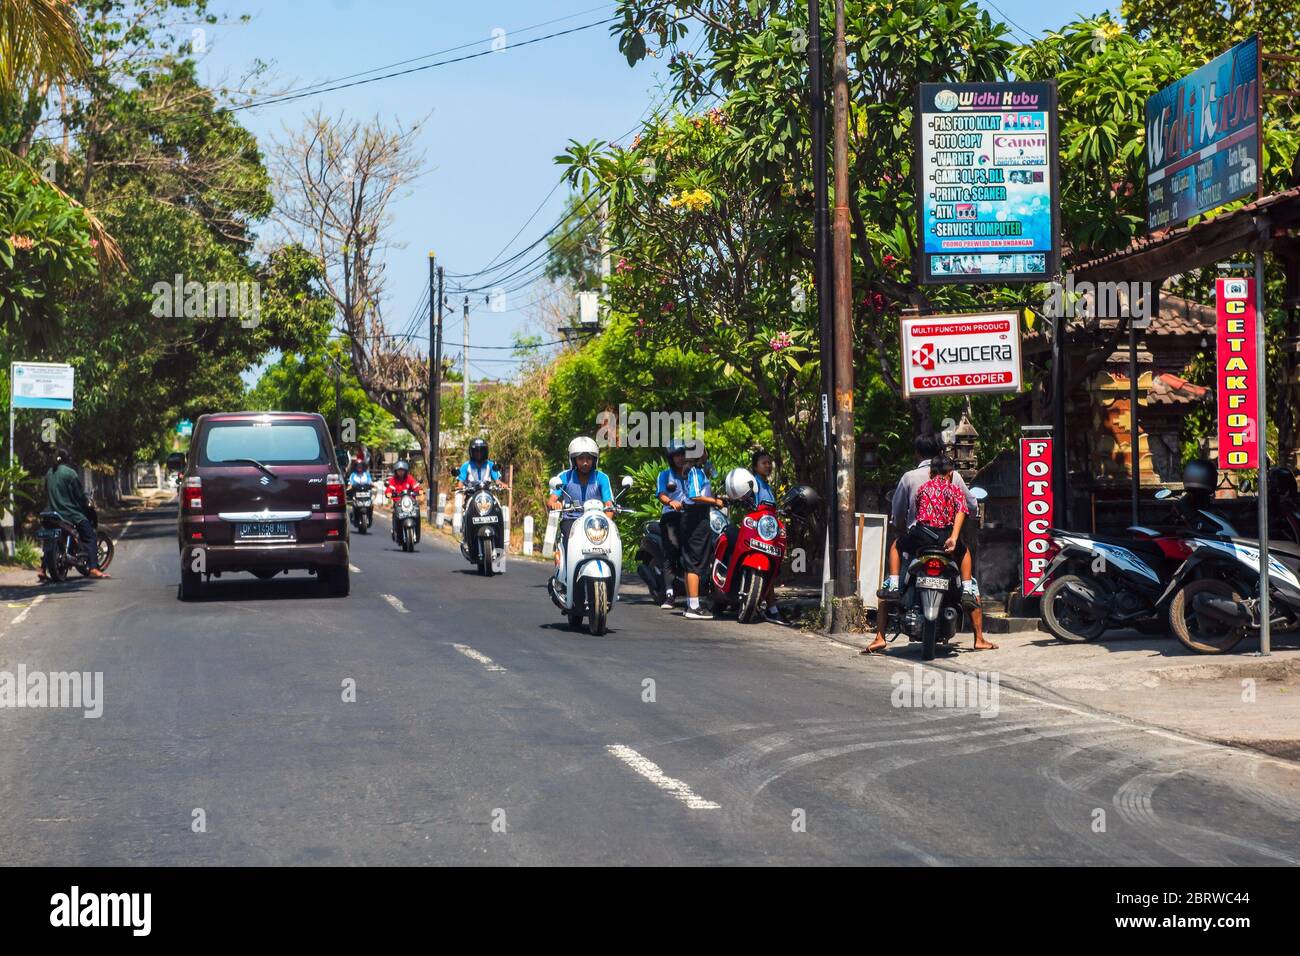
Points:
(265, 529)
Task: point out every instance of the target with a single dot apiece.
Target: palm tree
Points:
(40, 44)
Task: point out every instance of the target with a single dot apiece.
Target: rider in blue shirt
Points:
(582, 482)
(478, 467)
(762, 466)
(696, 532)
(360, 473)
(673, 501)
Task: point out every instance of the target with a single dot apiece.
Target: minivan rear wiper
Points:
(249, 461)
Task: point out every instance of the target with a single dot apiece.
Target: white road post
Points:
(528, 534)
(441, 517)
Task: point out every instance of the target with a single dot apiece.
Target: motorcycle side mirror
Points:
(555, 483)
(627, 481)
(978, 493)
(1163, 493)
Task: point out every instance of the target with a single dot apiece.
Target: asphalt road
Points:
(483, 730)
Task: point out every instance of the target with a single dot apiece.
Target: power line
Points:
(276, 100)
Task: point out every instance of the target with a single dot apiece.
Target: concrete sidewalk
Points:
(1240, 698)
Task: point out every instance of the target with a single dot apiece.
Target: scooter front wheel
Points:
(751, 589)
(1197, 630)
(597, 606)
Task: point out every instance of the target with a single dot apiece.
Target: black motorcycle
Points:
(929, 601)
(61, 551)
(362, 510)
(482, 526)
(650, 555)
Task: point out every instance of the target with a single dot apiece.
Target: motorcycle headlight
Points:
(597, 528)
(717, 522)
(483, 502)
(768, 528)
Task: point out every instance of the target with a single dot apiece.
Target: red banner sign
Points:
(1237, 399)
(1036, 511)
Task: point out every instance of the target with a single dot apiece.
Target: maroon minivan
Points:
(262, 493)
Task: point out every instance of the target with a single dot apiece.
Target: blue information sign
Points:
(1203, 138)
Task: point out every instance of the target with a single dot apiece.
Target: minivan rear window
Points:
(271, 443)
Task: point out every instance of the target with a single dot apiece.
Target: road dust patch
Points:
(651, 771)
(479, 657)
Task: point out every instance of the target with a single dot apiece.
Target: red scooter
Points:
(748, 556)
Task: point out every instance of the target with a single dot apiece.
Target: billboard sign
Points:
(960, 354)
(986, 182)
(1037, 508)
(1236, 360)
(1203, 137)
(41, 385)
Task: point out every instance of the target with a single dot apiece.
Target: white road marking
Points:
(474, 655)
(650, 770)
(125, 528)
(354, 569)
(396, 602)
(22, 615)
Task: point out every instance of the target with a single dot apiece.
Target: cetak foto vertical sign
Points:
(1236, 360)
(1036, 511)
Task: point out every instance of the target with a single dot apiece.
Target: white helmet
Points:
(583, 446)
(739, 484)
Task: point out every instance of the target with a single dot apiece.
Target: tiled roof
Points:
(1170, 389)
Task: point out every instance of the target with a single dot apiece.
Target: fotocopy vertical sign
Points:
(1037, 506)
(1236, 359)
(986, 182)
(1203, 138)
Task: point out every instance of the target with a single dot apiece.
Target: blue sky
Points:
(496, 122)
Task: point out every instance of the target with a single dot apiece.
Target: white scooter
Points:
(586, 576)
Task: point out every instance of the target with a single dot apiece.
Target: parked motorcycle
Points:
(362, 510)
(483, 527)
(748, 556)
(1217, 595)
(406, 526)
(588, 569)
(929, 602)
(650, 554)
(61, 551)
(1106, 582)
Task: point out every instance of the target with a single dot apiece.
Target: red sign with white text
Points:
(1236, 361)
(1036, 511)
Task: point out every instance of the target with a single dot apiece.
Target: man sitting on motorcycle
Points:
(360, 474)
(65, 494)
(673, 504)
(939, 505)
(398, 483)
(478, 467)
(582, 482)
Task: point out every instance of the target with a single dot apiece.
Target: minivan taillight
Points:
(193, 493)
(333, 491)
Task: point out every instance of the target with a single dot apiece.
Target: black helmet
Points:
(1281, 482)
(674, 447)
(1200, 475)
(800, 501)
(476, 446)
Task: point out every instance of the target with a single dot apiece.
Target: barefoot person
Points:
(906, 508)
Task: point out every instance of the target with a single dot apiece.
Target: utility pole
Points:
(824, 280)
(465, 363)
(846, 585)
(431, 455)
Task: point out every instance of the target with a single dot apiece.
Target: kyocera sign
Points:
(957, 354)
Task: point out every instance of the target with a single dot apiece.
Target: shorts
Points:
(696, 534)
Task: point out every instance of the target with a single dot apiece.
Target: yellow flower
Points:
(693, 199)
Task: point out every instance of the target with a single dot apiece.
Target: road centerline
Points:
(652, 772)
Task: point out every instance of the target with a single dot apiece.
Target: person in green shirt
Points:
(65, 494)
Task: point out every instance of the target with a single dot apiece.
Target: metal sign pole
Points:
(1261, 426)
